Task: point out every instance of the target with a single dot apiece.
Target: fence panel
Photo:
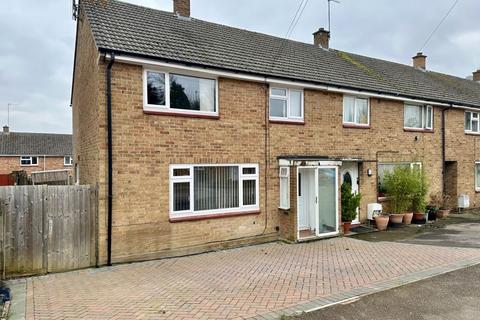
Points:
(47, 229)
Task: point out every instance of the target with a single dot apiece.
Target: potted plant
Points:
(381, 221)
(350, 203)
(419, 194)
(400, 186)
(444, 209)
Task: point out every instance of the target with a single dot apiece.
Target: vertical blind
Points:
(215, 188)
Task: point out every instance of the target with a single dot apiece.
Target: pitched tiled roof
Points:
(136, 30)
(35, 144)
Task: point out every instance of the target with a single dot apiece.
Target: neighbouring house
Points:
(33, 152)
(201, 136)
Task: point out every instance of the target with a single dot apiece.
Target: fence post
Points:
(45, 226)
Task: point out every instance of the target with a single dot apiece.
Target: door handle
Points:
(316, 199)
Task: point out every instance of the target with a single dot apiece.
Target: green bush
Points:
(406, 189)
(400, 185)
(420, 191)
(350, 203)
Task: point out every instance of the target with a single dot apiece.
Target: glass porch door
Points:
(327, 204)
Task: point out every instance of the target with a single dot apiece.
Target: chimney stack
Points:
(6, 129)
(420, 61)
(476, 75)
(181, 7)
(321, 38)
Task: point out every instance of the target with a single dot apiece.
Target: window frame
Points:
(286, 98)
(354, 123)
(285, 192)
(470, 131)
(425, 108)
(191, 213)
(30, 158)
(166, 108)
(477, 181)
(68, 164)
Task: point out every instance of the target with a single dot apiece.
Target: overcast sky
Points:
(37, 42)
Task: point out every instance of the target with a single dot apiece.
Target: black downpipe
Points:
(110, 166)
(444, 152)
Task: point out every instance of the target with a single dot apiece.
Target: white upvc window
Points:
(477, 176)
(418, 117)
(68, 161)
(284, 188)
(28, 161)
(286, 104)
(207, 189)
(179, 93)
(472, 124)
(356, 111)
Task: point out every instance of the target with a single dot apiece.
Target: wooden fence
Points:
(47, 229)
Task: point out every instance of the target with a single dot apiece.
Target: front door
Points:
(349, 172)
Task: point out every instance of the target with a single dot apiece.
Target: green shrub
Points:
(420, 191)
(400, 185)
(350, 203)
(406, 189)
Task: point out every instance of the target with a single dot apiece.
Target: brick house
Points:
(204, 136)
(31, 152)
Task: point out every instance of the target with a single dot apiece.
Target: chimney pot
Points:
(420, 61)
(476, 75)
(6, 129)
(181, 7)
(321, 38)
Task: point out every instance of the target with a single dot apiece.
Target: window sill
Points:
(418, 130)
(356, 126)
(294, 122)
(212, 216)
(469, 133)
(180, 114)
(29, 165)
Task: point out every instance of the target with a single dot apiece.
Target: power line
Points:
(293, 20)
(293, 24)
(439, 24)
(296, 18)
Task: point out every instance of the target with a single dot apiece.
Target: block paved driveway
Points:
(234, 284)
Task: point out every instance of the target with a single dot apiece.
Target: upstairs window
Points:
(472, 122)
(165, 91)
(28, 161)
(356, 111)
(68, 160)
(418, 117)
(286, 104)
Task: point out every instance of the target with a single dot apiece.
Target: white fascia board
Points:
(244, 76)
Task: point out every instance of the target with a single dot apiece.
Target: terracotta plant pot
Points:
(382, 222)
(407, 217)
(396, 217)
(346, 227)
(417, 216)
(443, 213)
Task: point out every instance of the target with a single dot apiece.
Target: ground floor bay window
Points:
(203, 190)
